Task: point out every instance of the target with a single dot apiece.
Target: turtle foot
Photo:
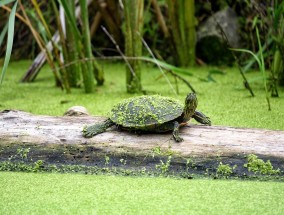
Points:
(178, 139)
(91, 131)
(88, 132)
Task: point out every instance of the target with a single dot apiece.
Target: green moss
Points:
(163, 167)
(257, 165)
(146, 111)
(224, 169)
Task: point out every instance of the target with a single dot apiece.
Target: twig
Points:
(17, 15)
(156, 62)
(181, 78)
(225, 38)
(119, 51)
(160, 18)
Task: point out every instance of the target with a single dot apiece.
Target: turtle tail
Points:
(93, 130)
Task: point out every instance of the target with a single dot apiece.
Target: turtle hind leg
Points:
(201, 118)
(176, 132)
(93, 130)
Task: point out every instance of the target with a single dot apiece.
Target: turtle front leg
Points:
(176, 132)
(201, 118)
(97, 128)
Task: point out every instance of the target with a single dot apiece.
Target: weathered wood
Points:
(59, 140)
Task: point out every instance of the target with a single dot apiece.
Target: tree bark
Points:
(59, 140)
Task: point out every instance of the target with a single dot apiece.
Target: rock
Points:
(76, 111)
(211, 46)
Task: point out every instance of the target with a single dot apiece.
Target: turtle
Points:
(151, 113)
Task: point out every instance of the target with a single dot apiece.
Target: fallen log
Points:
(59, 140)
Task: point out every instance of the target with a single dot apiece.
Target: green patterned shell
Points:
(146, 111)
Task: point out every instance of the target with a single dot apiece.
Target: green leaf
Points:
(255, 21)
(11, 25)
(3, 33)
(70, 18)
(214, 72)
(250, 52)
(4, 2)
(278, 11)
(251, 61)
(167, 66)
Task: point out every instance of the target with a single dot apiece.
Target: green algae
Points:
(23, 193)
(225, 101)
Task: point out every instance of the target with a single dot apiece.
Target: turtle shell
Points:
(145, 111)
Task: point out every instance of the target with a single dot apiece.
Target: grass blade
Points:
(166, 65)
(261, 64)
(263, 69)
(3, 33)
(250, 52)
(70, 18)
(11, 25)
(4, 2)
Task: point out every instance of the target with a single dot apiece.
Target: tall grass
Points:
(278, 38)
(53, 57)
(261, 64)
(10, 29)
(270, 20)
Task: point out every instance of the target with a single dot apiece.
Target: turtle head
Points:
(190, 105)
